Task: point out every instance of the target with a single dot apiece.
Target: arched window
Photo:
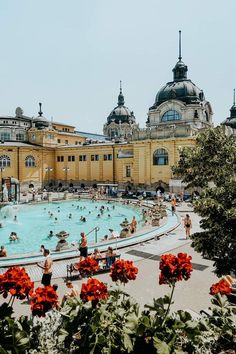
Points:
(30, 161)
(170, 115)
(5, 161)
(160, 157)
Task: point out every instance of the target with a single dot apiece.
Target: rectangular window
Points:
(58, 140)
(66, 142)
(60, 158)
(20, 136)
(94, 157)
(5, 136)
(107, 157)
(82, 158)
(128, 171)
(71, 158)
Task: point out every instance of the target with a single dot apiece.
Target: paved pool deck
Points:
(192, 294)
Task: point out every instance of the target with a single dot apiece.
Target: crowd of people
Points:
(128, 227)
(105, 259)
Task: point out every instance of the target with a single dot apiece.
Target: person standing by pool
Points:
(83, 246)
(173, 205)
(187, 225)
(133, 225)
(47, 268)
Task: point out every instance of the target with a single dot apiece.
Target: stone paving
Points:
(193, 294)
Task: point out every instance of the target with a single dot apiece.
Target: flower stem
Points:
(168, 308)
(13, 301)
(10, 300)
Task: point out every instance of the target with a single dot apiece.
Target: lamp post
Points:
(48, 170)
(1, 169)
(66, 169)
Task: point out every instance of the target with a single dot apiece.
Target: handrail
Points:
(96, 228)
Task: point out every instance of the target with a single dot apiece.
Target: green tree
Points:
(211, 165)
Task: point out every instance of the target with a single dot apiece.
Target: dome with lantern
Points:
(40, 122)
(121, 113)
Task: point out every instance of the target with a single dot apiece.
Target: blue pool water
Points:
(33, 223)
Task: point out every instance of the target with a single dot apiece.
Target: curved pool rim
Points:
(34, 220)
(142, 236)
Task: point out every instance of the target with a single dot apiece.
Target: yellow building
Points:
(41, 153)
(138, 163)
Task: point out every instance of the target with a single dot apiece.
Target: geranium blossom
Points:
(43, 300)
(175, 268)
(221, 287)
(16, 282)
(87, 267)
(123, 271)
(93, 290)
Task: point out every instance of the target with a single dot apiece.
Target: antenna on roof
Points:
(234, 98)
(40, 110)
(120, 86)
(180, 57)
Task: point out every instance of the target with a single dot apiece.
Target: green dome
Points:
(180, 88)
(184, 90)
(121, 113)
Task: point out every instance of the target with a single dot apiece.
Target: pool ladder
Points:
(96, 229)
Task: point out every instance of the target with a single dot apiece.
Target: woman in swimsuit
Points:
(187, 225)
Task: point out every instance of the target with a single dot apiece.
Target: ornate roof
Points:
(121, 113)
(40, 121)
(231, 121)
(181, 88)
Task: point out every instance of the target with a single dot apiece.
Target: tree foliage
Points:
(211, 165)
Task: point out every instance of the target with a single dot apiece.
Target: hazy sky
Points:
(70, 55)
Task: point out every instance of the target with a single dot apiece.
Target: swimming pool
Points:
(32, 223)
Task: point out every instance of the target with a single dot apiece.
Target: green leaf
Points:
(128, 343)
(146, 321)
(191, 325)
(21, 340)
(161, 347)
(101, 339)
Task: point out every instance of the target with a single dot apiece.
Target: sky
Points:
(71, 55)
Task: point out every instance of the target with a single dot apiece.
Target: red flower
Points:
(123, 271)
(94, 291)
(174, 268)
(87, 267)
(221, 287)
(43, 300)
(16, 282)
